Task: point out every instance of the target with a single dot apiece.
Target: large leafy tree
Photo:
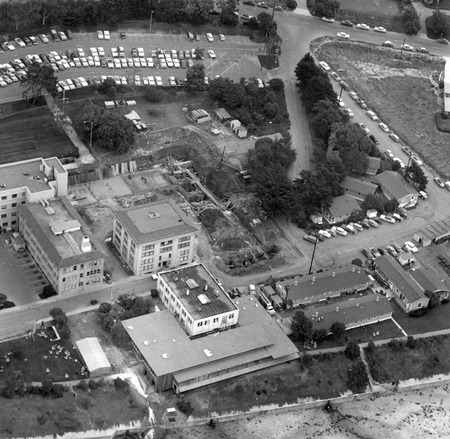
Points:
(38, 78)
(411, 22)
(113, 132)
(438, 24)
(268, 151)
(307, 69)
(312, 191)
(418, 178)
(357, 379)
(302, 327)
(318, 88)
(325, 8)
(228, 92)
(324, 115)
(195, 78)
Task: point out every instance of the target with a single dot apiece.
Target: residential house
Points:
(406, 291)
(358, 189)
(341, 209)
(394, 186)
(317, 287)
(429, 279)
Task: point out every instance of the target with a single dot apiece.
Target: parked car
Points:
(362, 104)
(373, 139)
(221, 37)
(106, 35)
(349, 112)
(362, 26)
(324, 66)
(54, 35)
(412, 248)
(347, 23)
(335, 76)
(20, 42)
(442, 41)
(379, 29)
(325, 234)
(391, 250)
(343, 35)
(341, 231)
(375, 252)
(310, 238)
(387, 219)
(33, 40)
(388, 152)
(394, 137)
(439, 182)
(384, 127)
(407, 47)
(209, 37)
(397, 248)
(62, 35)
(364, 128)
(372, 115)
(387, 44)
(366, 253)
(344, 85)
(211, 54)
(353, 95)
(406, 150)
(328, 20)
(422, 50)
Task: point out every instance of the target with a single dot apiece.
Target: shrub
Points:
(112, 92)
(306, 360)
(93, 301)
(357, 379)
(58, 391)
(154, 94)
(185, 407)
(276, 84)
(418, 312)
(86, 403)
(444, 301)
(82, 385)
(352, 351)
(291, 4)
(411, 343)
(42, 419)
(320, 335)
(120, 384)
(93, 385)
(396, 345)
(371, 348)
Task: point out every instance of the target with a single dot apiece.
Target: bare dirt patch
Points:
(399, 91)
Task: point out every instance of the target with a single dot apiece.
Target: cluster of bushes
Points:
(134, 306)
(410, 18)
(60, 321)
(4, 302)
(16, 386)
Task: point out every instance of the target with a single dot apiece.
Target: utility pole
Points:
(312, 257)
(150, 23)
(401, 52)
(221, 158)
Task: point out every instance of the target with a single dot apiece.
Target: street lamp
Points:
(150, 23)
(90, 136)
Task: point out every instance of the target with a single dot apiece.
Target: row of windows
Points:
(215, 320)
(147, 253)
(184, 245)
(13, 223)
(165, 249)
(13, 205)
(148, 247)
(5, 197)
(184, 239)
(13, 214)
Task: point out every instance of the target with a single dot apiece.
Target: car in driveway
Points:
(422, 50)
(209, 37)
(384, 127)
(407, 47)
(347, 23)
(379, 29)
(211, 54)
(328, 20)
(372, 115)
(343, 35)
(439, 182)
(394, 137)
(388, 44)
(362, 26)
(388, 152)
(364, 128)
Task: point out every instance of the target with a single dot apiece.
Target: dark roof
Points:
(349, 312)
(198, 291)
(400, 278)
(395, 184)
(257, 336)
(318, 284)
(151, 222)
(344, 205)
(429, 279)
(359, 186)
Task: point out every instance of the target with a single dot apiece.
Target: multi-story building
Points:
(154, 236)
(29, 181)
(196, 300)
(62, 246)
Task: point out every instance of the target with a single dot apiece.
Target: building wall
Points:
(10, 199)
(153, 255)
(189, 323)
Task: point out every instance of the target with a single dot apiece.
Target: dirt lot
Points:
(403, 96)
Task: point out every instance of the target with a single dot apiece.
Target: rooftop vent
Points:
(146, 343)
(207, 352)
(337, 309)
(165, 355)
(334, 274)
(205, 287)
(153, 215)
(187, 293)
(154, 341)
(130, 328)
(85, 244)
(192, 284)
(173, 340)
(203, 299)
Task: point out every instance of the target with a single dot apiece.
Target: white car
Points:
(324, 66)
(394, 137)
(328, 20)
(411, 247)
(101, 51)
(325, 233)
(62, 35)
(20, 42)
(407, 47)
(221, 37)
(123, 80)
(137, 80)
(100, 35)
(114, 52)
(402, 165)
(211, 54)
(364, 128)
(90, 60)
(372, 115)
(83, 81)
(106, 35)
(379, 29)
(173, 54)
(10, 46)
(343, 35)
(94, 51)
(362, 26)
(349, 112)
(84, 62)
(384, 127)
(158, 80)
(141, 52)
(172, 81)
(335, 76)
(176, 63)
(341, 231)
(43, 37)
(80, 52)
(417, 160)
(124, 63)
(117, 63)
(353, 95)
(151, 80)
(209, 37)
(110, 63)
(388, 152)
(71, 84)
(341, 102)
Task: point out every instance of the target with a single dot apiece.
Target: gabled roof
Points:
(349, 311)
(359, 186)
(93, 354)
(395, 184)
(429, 280)
(344, 205)
(400, 278)
(373, 165)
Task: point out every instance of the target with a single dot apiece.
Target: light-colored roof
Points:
(429, 279)
(155, 221)
(373, 164)
(198, 291)
(400, 278)
(222, 114)
(317, 284)
(64, 251)
(93, 354)
(395, 184)
(344, 205)
(257, 336)
(349, 312)
(359, 186)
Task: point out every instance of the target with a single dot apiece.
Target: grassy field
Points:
(378, 8)
(431, 356)
(401, 96)
(102, 408)
(324, 378)
(32, 133)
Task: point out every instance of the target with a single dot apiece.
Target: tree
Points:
(357, 379)
(418, 178)
(265, 22)
(352, 351)
(199, 53)
(291, 4)
(357, 262)
(318, 88)
(337, 329)
(104, 308)
(302, 327)
(325, 8)
(435, 299)
(324, 115)
(373, 202)
(227, 15)
(307, 69)
(39, 77)
(391, 205)
(195, 78)
(320, 335)
(3, 298)
(438, 24)
(56, 312)
(411, 22)
(229, 93)
(108, 322)
(113, 132)
(276, 84)
(153, 94)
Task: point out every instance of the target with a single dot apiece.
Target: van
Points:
(244, 210)
(110, 104)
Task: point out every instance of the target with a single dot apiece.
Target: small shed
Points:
(94, 357)
(241, 132)
(200, 115)
(132, 115)
(235, 124)
(222, 114)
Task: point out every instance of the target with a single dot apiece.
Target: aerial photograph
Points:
(224, 219)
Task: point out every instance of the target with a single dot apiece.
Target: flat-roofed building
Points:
(317, 287)
(62, 246)
(353, 313)
(196, 300)
(173, 360)
(154, 236)
(29, 181)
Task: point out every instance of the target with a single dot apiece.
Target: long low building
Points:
(173, 360)
(355, 312)
(317, 287)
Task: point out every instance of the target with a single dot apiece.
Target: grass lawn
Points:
(402, 97)
(32, 133)
(325, 378)
(102, 408)
(435, 319)
(379, 8)
(430, 357)
(37, 359)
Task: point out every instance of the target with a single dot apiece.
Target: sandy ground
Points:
(404, 415)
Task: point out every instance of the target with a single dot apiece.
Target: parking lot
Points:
(236, 57)
(21, 279)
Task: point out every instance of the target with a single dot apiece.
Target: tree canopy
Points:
(302, 327)
(307, 69)
(195, 78)
(357, 379)
(438, 24)
(113, 132)
(418, 178)
(318, 88)
(39, 77)
(325, 8)
(324, 115)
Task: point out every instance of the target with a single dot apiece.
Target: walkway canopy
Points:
(94, 356)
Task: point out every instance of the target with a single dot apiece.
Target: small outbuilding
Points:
(222, 115)
(94, 357)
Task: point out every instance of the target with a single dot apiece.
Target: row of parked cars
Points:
(355, 227)
(33, 40)
(394, 250)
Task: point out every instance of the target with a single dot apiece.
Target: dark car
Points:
(344, 85)
(69, 34)
(27, 41)
(442, 41)
(54, 35)
(366, 253)
(347, 23)
(249, 2)
(373, 139)
(122, 35)
(422, 50)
